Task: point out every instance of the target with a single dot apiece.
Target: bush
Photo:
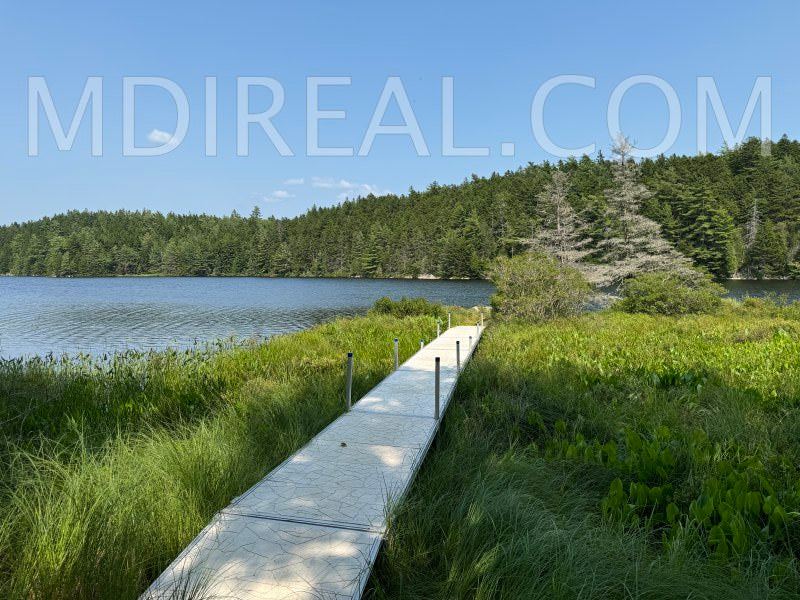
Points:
(407, 307)
(670, 293)
(536, 287)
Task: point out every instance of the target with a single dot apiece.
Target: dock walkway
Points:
(313, 526)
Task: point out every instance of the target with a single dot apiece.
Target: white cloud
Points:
(351, 188)
(160, 137)
(294, 181)
(273, 196)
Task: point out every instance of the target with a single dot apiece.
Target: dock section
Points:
(312, 528)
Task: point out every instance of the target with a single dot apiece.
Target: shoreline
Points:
(421, 277)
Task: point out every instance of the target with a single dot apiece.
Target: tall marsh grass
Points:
(510, 504)
(112, 468)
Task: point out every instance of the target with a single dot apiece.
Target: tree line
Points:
(735, 212)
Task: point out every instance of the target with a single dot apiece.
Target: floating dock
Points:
(312, 528)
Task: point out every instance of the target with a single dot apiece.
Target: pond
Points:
(43, 315)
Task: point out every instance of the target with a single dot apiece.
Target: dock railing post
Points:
(349, 379)
(477, 330)
(458, 355)
(448, 320)
(436, 392)
(421, 344)
(481, 318)
(396, 353)
(438, 328)
(470, 342)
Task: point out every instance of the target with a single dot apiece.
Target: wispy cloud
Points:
(160, 137)
(273, 196)
(294, 181)
(351, 188)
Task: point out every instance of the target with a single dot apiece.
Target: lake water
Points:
(42, 315)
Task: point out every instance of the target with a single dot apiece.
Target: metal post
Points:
(458, 355)
(436, 392)
(470, 341)
(349, 379)
(438, 328)
(481, 318)
(396, 354)
(477, 330)
(421, 344)
(448, 320)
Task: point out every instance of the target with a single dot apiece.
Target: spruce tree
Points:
(767, 257)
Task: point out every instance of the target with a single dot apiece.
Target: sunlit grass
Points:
(496, 513)
(98, 513)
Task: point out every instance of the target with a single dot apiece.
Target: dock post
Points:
(436, 392)
(421, 344)
(477, 330)
(458, 355)
(349, 379)
(470, 342)
(396, 353)
(448, 320)
(481, 318)
(438, 328)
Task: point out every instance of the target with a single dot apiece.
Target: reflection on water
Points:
(787, 288)
(41, 315)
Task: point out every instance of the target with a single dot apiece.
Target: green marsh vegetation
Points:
(603, 455)
(613, 455)
(111, 466)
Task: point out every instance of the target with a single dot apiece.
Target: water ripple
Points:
(40, 315)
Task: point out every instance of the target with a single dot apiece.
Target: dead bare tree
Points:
(753, 225)
(638, 244)
(562, 233)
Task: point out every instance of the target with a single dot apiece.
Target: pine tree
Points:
(767, 257)
(281, 260)
(457, 256)
(709, 234)
(369, 264)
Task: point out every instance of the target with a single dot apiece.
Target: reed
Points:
(115, 465)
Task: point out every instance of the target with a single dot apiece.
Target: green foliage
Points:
(704, 205)
(735, 509)
(669, 293)
(133, 455)
(536, 287)
(406, 307)
(767, 257)
(613, 456)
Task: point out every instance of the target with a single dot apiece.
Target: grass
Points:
(112, 467)
(602, 456)
(518, 497)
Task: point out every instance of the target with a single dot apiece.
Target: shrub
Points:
(407, 307)
(670, 293)
(536, 287)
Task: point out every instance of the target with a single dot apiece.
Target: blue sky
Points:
(498, 53)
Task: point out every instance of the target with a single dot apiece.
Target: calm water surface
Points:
(790, 289)
(42, 315)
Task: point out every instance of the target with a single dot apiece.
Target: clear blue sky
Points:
(498, 52)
